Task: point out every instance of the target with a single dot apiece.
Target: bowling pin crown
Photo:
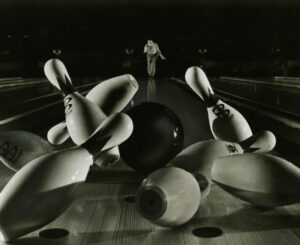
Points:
(198, 82)
(58, 76)
(132, 80)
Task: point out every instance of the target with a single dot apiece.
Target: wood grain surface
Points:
(100, 215)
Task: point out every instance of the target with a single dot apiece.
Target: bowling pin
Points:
(108, 157)
(114, 94)
(44, 188)
(58, 134)
(204, 184)
(199, 157)
(19, 147)
(261, 179)
(168, 197)
(82, 115)
(226, 123)
(111, 96)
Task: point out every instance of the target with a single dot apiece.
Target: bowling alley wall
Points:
(248, 38)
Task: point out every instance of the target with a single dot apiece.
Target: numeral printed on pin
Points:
(68, 105)
(221, 112)
(11, 153)
(231, 149)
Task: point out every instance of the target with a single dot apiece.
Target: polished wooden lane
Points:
(101, 214)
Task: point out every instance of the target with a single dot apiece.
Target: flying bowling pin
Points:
(199, 157)
(17, 148)
(225, 122)
(82, 115)
(111, 96)
(168, 197)
(58, 134)
(261, 179)
(44, 188)
(114, 94)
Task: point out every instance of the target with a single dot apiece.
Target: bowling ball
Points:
(157, 137)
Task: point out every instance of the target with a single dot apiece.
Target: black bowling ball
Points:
(157, 137)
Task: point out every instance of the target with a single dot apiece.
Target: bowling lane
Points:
(262, 105)
(268, 103)
(22, 107)
(101, 214)
(189, 109)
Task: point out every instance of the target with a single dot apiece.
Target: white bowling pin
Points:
(17, 148)
(261, 179)
(111, 96)
(58, 134)
(82, 115)
(108, 157)
(114, 94)
(41, 190)
(204, 184)
(199, 157)
(226, 123)
(168, 197)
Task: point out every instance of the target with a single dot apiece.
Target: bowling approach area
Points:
(116, 202)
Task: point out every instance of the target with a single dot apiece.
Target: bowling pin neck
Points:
(262, 141)
(65, 86)
(211, 100)
(112, 131)
(95, 146)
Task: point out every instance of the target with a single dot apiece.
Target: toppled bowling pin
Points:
(168, 197)
(111, 96)
(204, 184)
(226, 123)
(261, 179)
(108, 157)
(44, 188)
(114, 94)
(82, 115)
(199, 157)
(58, 134)
(17, 148)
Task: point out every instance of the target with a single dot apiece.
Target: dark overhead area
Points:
(92, 35)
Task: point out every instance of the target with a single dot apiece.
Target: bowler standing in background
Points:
(152, 51)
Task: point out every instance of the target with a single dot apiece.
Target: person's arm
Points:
(159, 52)
(161, 56)
(145, 48)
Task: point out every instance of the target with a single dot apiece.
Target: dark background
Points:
(243, 38)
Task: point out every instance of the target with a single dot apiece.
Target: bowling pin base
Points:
(107, 161)
(168, 197)
(151, 202)
(108, 158)
(262, 199)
